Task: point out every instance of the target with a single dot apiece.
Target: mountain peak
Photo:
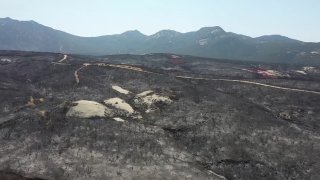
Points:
(6, 19)
(275, 38)
(132, 33)
(165, 33)
(211, 30)
(14, 21)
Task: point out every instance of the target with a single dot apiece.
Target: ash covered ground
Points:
(156, 116)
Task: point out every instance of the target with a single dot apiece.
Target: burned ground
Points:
(211, 130)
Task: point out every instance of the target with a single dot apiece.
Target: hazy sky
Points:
(299, 19)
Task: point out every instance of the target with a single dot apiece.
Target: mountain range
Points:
(212, 42)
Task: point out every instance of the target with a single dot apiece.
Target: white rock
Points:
(6, 60)
(118, 119)
(203, 42)
(120, 104)
(309, 68)
(120, 90)
(149, 98)
(175, 56)
(88, 109)
(145, 93)
(302, 72)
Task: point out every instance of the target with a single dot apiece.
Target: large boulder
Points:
(119, 104)
(88, 109)
(149, 101)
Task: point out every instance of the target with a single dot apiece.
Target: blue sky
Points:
(299, 19)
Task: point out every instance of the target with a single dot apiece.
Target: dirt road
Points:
(63, 59)
(132, 68)
(251, 82)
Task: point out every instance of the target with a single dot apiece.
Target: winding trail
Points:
(252, 82)
(76, 73)
(63, 59)
(132, 68)
(127, 67)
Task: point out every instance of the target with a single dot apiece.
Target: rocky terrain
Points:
(156, 116)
